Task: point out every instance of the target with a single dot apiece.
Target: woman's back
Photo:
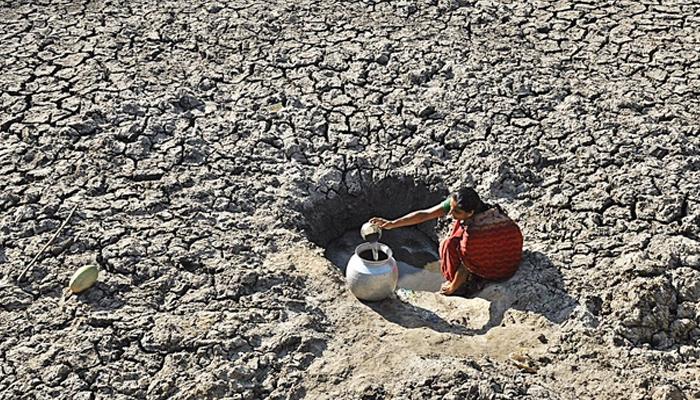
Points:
(492, 245)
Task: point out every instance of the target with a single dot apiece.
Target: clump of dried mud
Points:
(215, 149)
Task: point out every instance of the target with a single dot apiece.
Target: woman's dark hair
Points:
(468, 200)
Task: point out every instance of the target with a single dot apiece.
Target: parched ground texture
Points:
(214, 148)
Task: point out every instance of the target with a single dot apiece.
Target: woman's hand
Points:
(381, 222)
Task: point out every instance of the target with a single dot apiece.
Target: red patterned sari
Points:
(490, 245)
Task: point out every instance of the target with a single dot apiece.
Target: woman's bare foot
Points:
(449, 288)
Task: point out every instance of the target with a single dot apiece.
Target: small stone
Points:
(277, 107)
(206, 84)
(133, 109)
(426, 112)
(382, 59)
(657, 74)
(661, 341)
(85, 128)
(83, 396)
(559, 200)
(55, 374)
(189, 102)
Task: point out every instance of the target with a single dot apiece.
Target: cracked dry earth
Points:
(215, 149)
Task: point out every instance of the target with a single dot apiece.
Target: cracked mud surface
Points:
(214, 148)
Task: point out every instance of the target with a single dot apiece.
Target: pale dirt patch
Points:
(412, 336)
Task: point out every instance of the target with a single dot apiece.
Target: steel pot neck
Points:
(368, 246)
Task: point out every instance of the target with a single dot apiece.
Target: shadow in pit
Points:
(326, 220)
(537, 287)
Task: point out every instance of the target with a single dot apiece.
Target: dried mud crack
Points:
(215, 148)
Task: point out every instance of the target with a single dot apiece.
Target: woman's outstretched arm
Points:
(412, 218)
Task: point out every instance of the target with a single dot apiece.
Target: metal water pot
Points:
(368, 279)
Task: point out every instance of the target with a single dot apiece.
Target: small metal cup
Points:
(370, 232)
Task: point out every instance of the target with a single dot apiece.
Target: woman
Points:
(485, 244)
